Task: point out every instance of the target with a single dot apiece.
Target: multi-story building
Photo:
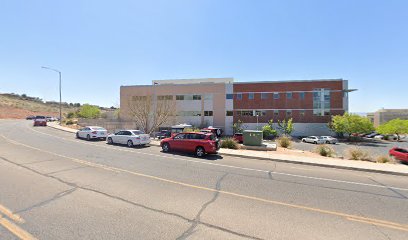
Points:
(384, 115)
(221, 102)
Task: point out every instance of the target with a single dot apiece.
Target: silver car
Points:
(329, 139)
(313, 139)
(129, 138)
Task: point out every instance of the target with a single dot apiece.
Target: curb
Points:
(318, 164)
(289, 161)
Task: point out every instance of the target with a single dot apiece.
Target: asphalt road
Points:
(53, 186)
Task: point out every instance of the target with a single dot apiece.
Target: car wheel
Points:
(200, 152)
(315, 142)
(166, 147)
(327, 142)
(110, 141)
(77, 135)
(88, 137)
(129, 143)
(303, 140)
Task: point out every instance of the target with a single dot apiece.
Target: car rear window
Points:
(137, 132)
(40, 117)
(99, 129)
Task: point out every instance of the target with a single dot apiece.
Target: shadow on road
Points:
(212, 157)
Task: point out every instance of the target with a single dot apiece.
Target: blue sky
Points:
(101, 45)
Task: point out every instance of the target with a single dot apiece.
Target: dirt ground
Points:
(17, 113)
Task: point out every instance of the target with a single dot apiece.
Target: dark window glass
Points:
(289, 95)
(229, 96)
(239, 96)
(276, 96)
(251, 96)
(230, 113)
(302, 95)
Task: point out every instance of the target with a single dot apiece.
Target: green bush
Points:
(229, 143)
(268, 131)
(191, 130)
(358, 154)
(70, 115)
(89, 111)
(284, 141)
(325, 151)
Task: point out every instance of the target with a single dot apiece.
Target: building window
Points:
(321, 102)
(289, 95)
(165, 97)
(239, 96)
(196, 97)
(317, 112)
(276, 113)
(139, 98)
(245, 113)
(302, 95)
(276, 95)
(327, 112)
(251, 95)
(260, 113)
(208, 113)
(288, 113)
(264, 95)
(189, 113)
(229, 113)
(179, 97)
(302, 113)
(229, 96)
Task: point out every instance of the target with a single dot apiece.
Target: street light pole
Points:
(60, 95)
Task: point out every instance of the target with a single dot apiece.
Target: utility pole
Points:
(60, 95)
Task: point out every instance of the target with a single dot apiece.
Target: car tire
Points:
(110, 141)
(303, 140)
(200, 152)
(129, 143)
(327, 142)
(166, 147)
(88, 137)
(77, 135)
(314, 142)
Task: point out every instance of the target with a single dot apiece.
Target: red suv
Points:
(196, 142)
(399, 153)
(40, 121)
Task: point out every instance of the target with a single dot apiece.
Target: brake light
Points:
(94, 132)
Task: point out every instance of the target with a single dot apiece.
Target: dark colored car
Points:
(40, 121)
(30, 117)
(238, 137)
(195, 142)
(163, 134)
(399, 153)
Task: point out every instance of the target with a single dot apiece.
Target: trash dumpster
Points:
(252, 138)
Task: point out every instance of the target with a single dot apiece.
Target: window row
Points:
(194, 113)
(276, 112)
(275, 95)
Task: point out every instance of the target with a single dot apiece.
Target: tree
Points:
(286, 127)
(237, 127)
(351, 123)
(89, 111)
(149, 117)
(395, 126)
(268, 131)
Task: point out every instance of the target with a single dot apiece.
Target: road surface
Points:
(53, 186)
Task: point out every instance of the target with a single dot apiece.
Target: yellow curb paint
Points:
(16, 230)
(350, 217)
(8, 213)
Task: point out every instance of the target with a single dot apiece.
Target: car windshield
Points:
(40, 117)
(137, 132)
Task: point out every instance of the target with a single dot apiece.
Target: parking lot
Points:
(375, 148)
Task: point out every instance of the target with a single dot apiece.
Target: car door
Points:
(178, 142)
(84, 132)
(126, 136)
(116, 137)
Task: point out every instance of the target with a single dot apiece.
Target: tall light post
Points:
(60, 105)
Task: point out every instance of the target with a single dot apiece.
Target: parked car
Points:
(163, 134)
(371, 135)
(329, 139)
(238, 137)
(51, 119)
(313, 139)
(197, 142)
(179, 128)
(40, 121)
(217, 131)
(399, 153)
(380, 137)
(129, 137)
(30, 117)
(92, 132)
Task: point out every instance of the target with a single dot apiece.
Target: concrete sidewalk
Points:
(395, 169)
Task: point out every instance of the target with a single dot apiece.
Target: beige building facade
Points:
(199, 102)
(384, 115)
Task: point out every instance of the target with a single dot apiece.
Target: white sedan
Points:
(313, 139)
(129, 137)
(92, 132)
(329, 139)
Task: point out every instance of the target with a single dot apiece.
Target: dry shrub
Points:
(325, 151)
(284, 141)
(229, 143)
(356, 153)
